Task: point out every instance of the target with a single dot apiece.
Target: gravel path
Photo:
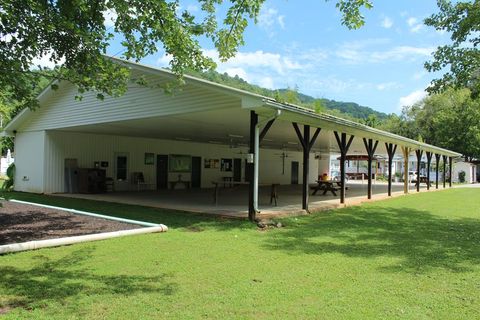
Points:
(21, 222)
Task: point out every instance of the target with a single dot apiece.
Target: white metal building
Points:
(206, 121)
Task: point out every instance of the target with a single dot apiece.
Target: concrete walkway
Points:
(232, 202)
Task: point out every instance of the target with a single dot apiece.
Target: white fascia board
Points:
(301, 115)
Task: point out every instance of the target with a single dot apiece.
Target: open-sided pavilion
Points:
(201, 135)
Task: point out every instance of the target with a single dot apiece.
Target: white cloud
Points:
(354, 53)
(110, 16)
(266, 60)
(266, 82)
(45, 62)
(232, 72)
(419, 75)
(164, 60)
(412, 98)
(269, 18)
(387, 86)
(193, 8)
(414, 24)
(387, 23)
(281, 21)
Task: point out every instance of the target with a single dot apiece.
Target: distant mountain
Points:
(350, 110)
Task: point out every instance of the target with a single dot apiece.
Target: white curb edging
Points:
(96, 215)
(31, 245)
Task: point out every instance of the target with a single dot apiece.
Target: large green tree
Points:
(459, 60)
(450, 119)
(74, 33)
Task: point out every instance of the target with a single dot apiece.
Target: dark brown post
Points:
(419, 154)
(391, 148)
(437, 165)
(251, 189)
(450, 160)
(343, 145)
(371, 147)
(429, 161)
(307, 145)
(444, 158)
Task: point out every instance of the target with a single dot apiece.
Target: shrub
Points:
(461, 176)
(8, 184)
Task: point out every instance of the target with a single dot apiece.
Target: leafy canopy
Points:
(462, 20)
(74, 33)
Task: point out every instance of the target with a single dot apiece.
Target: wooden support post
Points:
(429, 162)
(307, 145)
(406, 154)
(450, 167)
(251, 189)
(437, 166)
(391, 148)
(444, 158)
(419, 154)
(343, 145)
(371, 147)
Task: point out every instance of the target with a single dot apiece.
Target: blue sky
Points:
(303, 44)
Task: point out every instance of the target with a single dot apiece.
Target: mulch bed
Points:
(21, 222)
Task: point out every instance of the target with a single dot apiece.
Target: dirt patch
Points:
(21, 222)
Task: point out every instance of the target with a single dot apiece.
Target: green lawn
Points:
(415, 257)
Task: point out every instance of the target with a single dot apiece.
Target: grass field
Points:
(415, 257)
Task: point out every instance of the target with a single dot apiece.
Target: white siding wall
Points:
(29, 161)
(61, 110)
(88, 148)
(463, 166)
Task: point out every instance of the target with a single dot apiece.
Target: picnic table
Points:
(273, 190)
(423, 179)
(327, 185)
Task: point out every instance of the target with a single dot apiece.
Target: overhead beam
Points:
(266, 128)
(370, 146)
(391, 149)
(343, 145)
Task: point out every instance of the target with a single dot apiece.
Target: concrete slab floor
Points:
(233, 201)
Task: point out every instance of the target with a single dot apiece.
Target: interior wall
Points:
(89, 148)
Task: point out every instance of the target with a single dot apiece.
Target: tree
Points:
(451, 120)
(74, 33)
(462, 20)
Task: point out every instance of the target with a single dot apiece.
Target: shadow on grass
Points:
(420, 240)
(171, 218)
(56, 280)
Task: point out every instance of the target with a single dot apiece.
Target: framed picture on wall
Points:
(179, 163)
(149, 158)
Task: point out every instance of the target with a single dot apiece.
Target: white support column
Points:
(255, 167)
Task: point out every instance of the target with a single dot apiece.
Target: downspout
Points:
(256, 159)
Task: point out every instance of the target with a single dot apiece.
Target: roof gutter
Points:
(330, 122)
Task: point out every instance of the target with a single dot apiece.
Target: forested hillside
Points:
(348, 110)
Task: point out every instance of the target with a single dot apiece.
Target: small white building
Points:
(467, 169)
